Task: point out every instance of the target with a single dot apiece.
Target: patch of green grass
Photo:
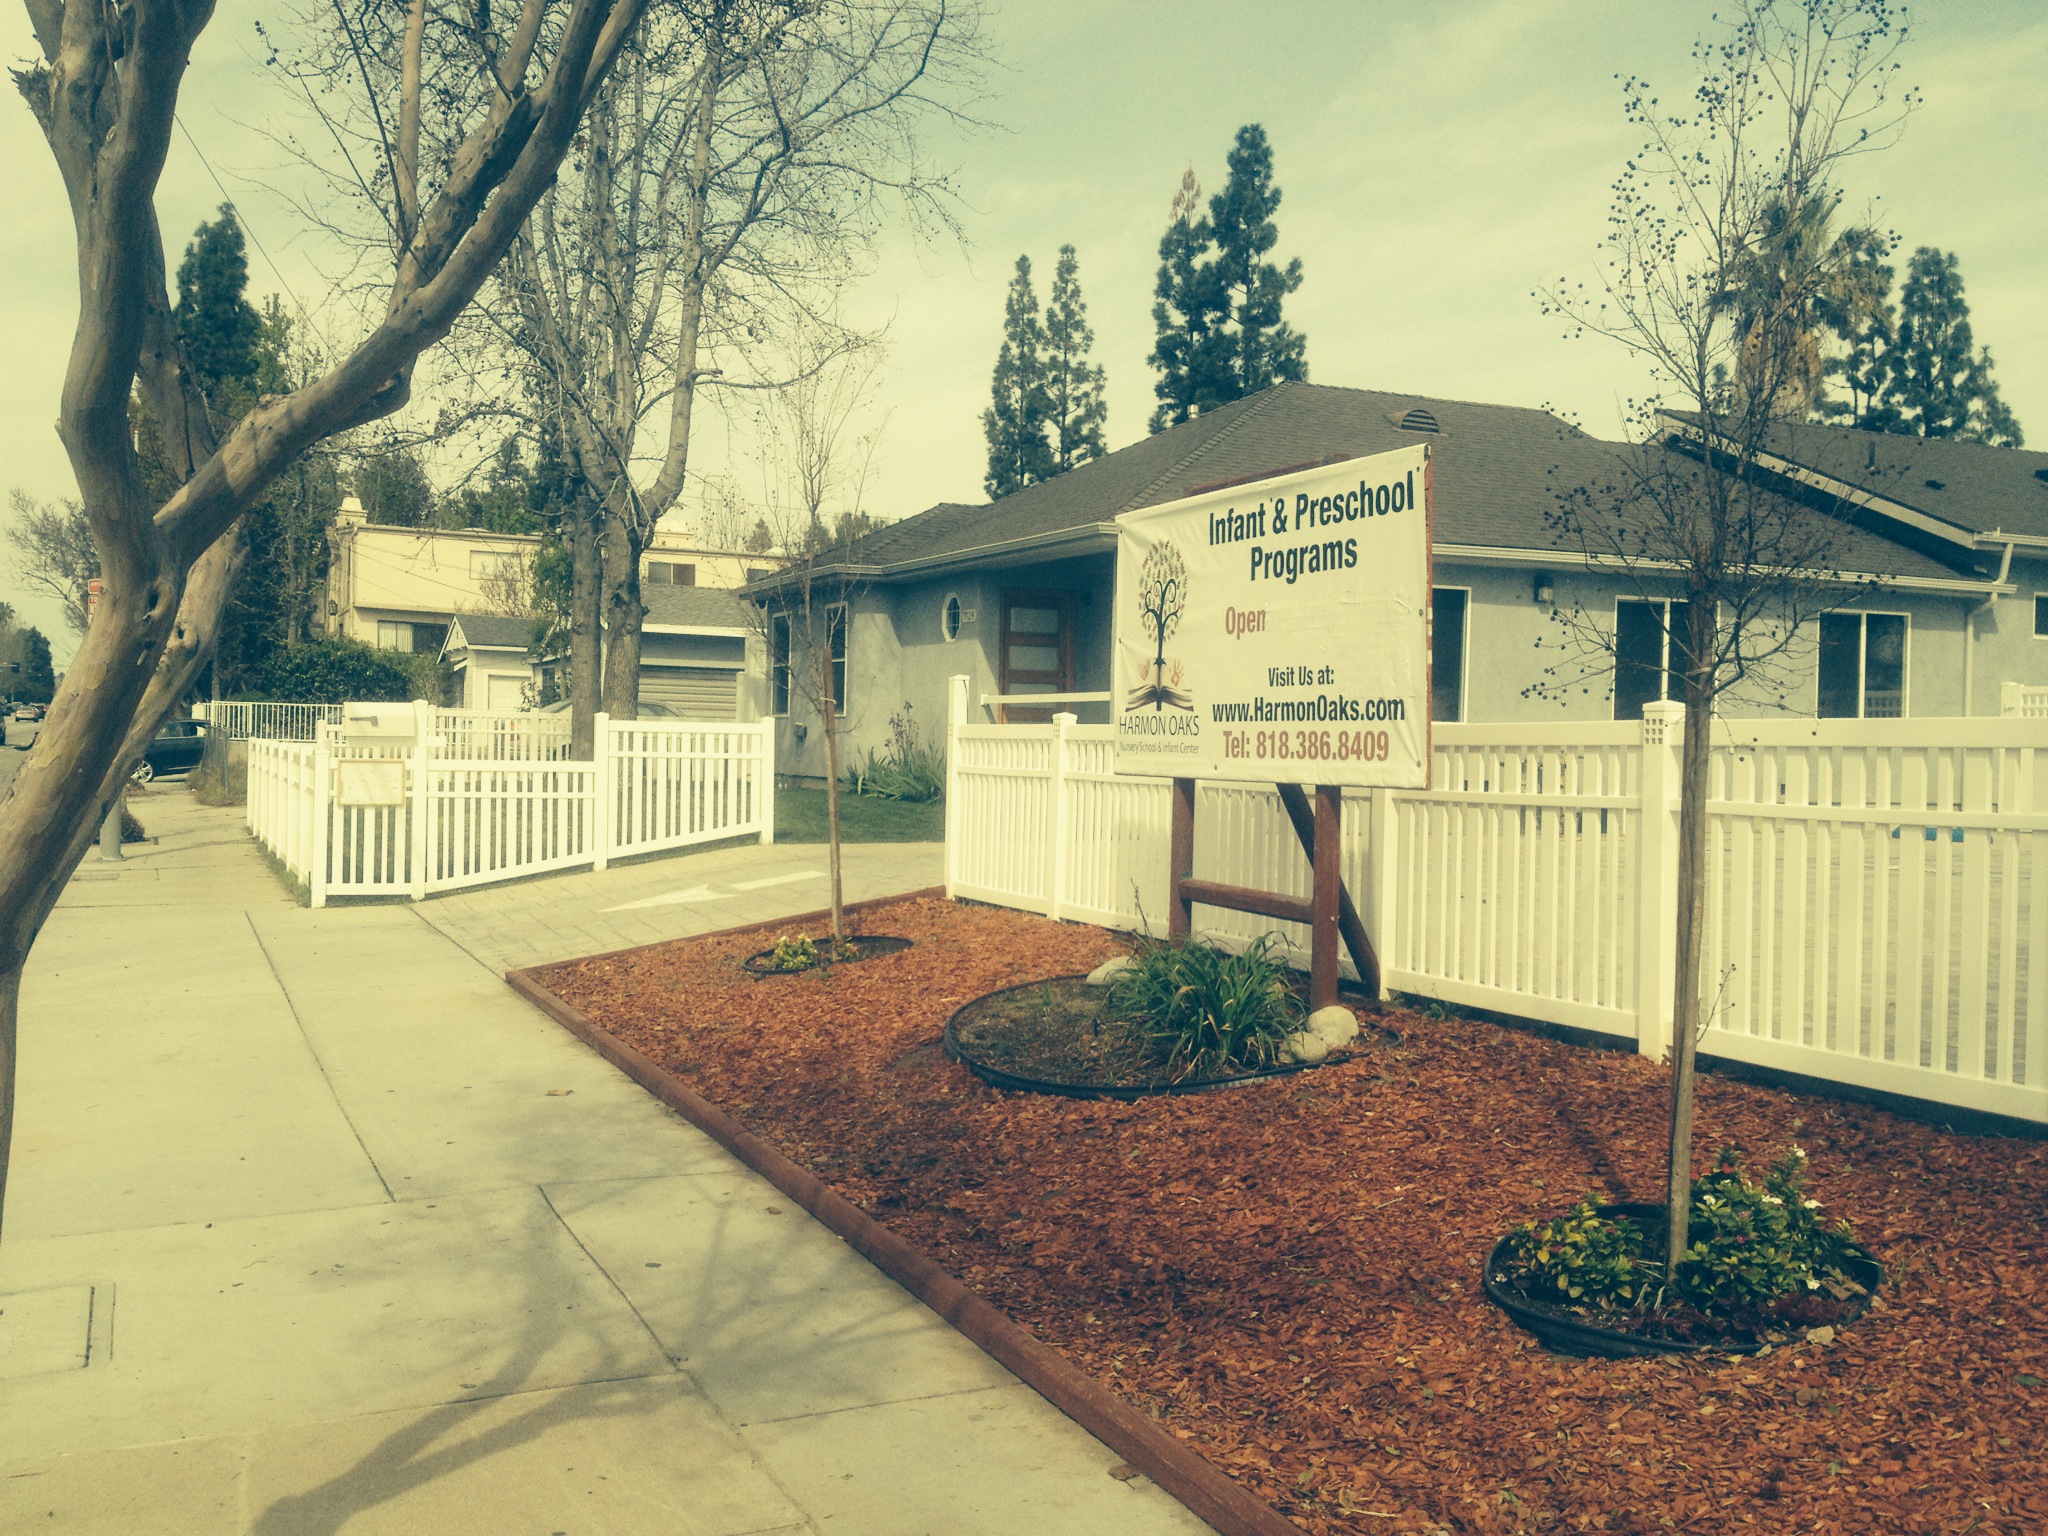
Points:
(800, 818)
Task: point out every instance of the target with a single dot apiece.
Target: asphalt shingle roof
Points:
(697, 607)
(495, 631)
(1499, 472)
(1975, 488)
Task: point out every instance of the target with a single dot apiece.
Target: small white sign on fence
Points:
(370, 781)
(1278, 631)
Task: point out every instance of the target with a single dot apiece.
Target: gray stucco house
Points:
(1947, 545)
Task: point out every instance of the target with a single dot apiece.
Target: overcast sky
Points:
(1438, 163)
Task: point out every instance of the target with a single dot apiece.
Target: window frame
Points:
(952, 617)
(493, 564)
(838, 631)
(1863, 616)
(1464, 652)
(679, 573)
(778, 665)
(395, 625)
(2040, 611)
(1664, 654)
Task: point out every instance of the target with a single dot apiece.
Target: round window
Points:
(949, 619)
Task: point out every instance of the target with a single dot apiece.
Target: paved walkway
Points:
(316, 1227)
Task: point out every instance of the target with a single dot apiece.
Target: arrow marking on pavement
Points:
(755, 885)
(667, 899)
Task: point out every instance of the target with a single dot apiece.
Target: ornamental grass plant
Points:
(1204, 1011)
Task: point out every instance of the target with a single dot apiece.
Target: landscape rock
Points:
(1109, 970)
(1336, 1024)
(1305, 1046)
(1821, 1336)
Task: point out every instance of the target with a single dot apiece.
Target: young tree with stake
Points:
(1700, 288)
(816, 465)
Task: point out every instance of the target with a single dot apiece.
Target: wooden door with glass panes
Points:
(1037, 643)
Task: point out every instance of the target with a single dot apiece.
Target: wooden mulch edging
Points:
(1182, 1472)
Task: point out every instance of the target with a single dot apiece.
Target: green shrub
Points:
(338, 672)
(908, 770)
(1750, 1243)
(1205, 1011)
(800, 952)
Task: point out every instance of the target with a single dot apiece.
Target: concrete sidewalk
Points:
(316, 1227)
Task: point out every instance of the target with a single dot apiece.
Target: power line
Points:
(229, 197)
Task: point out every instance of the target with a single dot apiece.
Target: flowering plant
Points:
(1753, 1244)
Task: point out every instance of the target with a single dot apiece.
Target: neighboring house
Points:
(492, 662)
(1017, 594)
(396, 588)
(700, 654)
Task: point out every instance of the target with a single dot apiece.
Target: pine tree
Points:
(1264, 350)
(1936, 382)
(1074, 385)
(1188, 314)
(1016, 420)
(217, 328)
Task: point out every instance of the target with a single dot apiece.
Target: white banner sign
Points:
(1279, 631)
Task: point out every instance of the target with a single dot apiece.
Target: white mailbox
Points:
(378, 725)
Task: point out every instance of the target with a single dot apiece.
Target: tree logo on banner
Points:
(1162, 598)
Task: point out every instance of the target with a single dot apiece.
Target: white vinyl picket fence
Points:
(470, 799)
(1877, 890)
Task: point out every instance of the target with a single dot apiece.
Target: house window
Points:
(2041, 615)
(1447, 653)
(949, 619)
(1649, 653)
(492, 565)
(1862, 666)
(670, 573)
(778, 664)
(835, 630)
(393, 635)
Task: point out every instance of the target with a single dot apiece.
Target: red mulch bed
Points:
(1287, 1274)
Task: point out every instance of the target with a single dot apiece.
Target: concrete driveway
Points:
(316, 1227)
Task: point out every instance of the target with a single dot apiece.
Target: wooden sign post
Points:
(1329, 912)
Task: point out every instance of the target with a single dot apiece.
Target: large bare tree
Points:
(105, 92)
(734, 169)
(1701, 285)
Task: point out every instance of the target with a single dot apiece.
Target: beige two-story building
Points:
(462, 593)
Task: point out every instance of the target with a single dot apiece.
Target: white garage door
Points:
(695, 693)
(504, 692)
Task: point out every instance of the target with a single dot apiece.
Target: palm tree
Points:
(1797, 279)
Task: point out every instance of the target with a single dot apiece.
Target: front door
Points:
(1037, 651)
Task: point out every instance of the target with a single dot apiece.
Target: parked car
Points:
(178, 747)
(23, 724)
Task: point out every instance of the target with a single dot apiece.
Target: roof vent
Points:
(1936, 485)
(1418, 420)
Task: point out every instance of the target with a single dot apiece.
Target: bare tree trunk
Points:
(830, 710)
(1692, 855)
(623, 615)
(583, 628)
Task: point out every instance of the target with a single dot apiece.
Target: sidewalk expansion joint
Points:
(314, 1051)
(618, 1290)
